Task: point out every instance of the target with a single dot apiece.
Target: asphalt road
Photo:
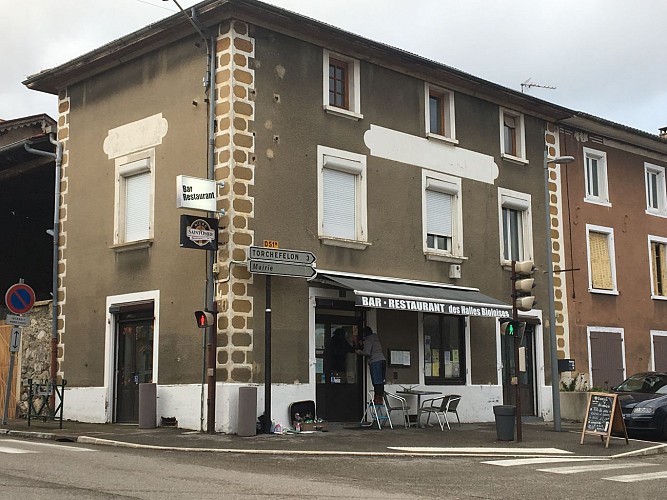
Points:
(31, 469)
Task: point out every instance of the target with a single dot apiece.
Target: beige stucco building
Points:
(413, 184)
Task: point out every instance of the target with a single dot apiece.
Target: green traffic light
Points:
(510, 329)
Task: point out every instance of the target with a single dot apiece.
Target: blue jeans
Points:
(378, 374)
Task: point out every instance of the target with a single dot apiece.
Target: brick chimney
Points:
(663, 132)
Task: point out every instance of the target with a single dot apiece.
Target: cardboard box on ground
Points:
(302, 414)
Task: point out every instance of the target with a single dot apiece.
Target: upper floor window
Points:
(342, 93)
(658, 263)
(441, 215)
(596, 176)
(516, 234)
(134, 194)
(439, 113)
(341, 184)
(601, 259)
(655, 189)
(513, 133)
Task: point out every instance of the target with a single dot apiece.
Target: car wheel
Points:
(664, 429)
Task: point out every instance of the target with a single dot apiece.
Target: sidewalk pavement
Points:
(468, 439)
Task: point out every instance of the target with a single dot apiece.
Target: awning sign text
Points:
(431, 306)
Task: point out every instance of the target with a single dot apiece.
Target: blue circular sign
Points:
(20, 298)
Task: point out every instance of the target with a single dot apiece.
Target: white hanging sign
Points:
(195, 193)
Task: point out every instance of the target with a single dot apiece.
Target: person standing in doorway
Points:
(377, 363)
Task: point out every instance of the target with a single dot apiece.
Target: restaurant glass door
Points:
(339, 372)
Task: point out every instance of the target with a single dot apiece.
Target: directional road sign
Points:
(20, 298)
(282, 255)
(15, 342)
(12, 319)
(281, 269)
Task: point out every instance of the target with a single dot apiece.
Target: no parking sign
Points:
(20, 298)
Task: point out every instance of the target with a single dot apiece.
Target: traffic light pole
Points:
(517, 342)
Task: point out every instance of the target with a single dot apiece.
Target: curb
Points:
(653, 450)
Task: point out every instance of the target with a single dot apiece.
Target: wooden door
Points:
(5, 337)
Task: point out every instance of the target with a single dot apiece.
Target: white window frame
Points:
(520, 136)
(661, 197)
(353, 110)
(516, 201)
(347, 162)
(603, 196)
(654, 334)
(448, 112)
(110, 342)
(450, 185)
(590, 228)
(663, 241)
(127, 166)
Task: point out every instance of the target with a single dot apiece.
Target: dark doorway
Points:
(526, 378)
(134, 360)
(339, 373)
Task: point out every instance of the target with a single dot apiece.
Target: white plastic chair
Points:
(394, 402)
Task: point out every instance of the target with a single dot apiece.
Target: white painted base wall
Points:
(183, 402)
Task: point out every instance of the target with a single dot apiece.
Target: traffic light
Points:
(512, 328)
(523, 285)
(204, 319)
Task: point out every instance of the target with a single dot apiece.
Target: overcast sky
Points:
(605, 57)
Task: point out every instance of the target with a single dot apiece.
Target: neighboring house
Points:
(26, 204)
(612, 232)
(414, 184)
(27, 182)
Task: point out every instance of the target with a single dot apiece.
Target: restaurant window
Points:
(512, 140)
(134, 191)
(341, 85)
(444, 349)
(441, 215)
(516, 237)
(341, 184)
(440, 113)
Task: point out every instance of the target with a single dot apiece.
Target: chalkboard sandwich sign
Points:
(603, 416)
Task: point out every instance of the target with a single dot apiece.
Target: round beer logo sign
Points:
(200, 232)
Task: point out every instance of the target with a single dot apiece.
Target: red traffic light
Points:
(204, 319)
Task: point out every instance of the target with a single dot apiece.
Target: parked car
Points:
(643, 399)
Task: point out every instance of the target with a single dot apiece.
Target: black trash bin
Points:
(505, 418)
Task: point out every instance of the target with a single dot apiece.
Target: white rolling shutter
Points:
(137, 206)
(339, 211)
(438, 213)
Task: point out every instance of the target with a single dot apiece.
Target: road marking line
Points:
(481, 449)
(48, 445)
(4, 449)
(593, 467)
(540, 460)
(633, 478)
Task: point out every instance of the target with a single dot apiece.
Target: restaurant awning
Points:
(407, 295)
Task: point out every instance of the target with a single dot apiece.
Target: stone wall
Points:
(35, 359)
